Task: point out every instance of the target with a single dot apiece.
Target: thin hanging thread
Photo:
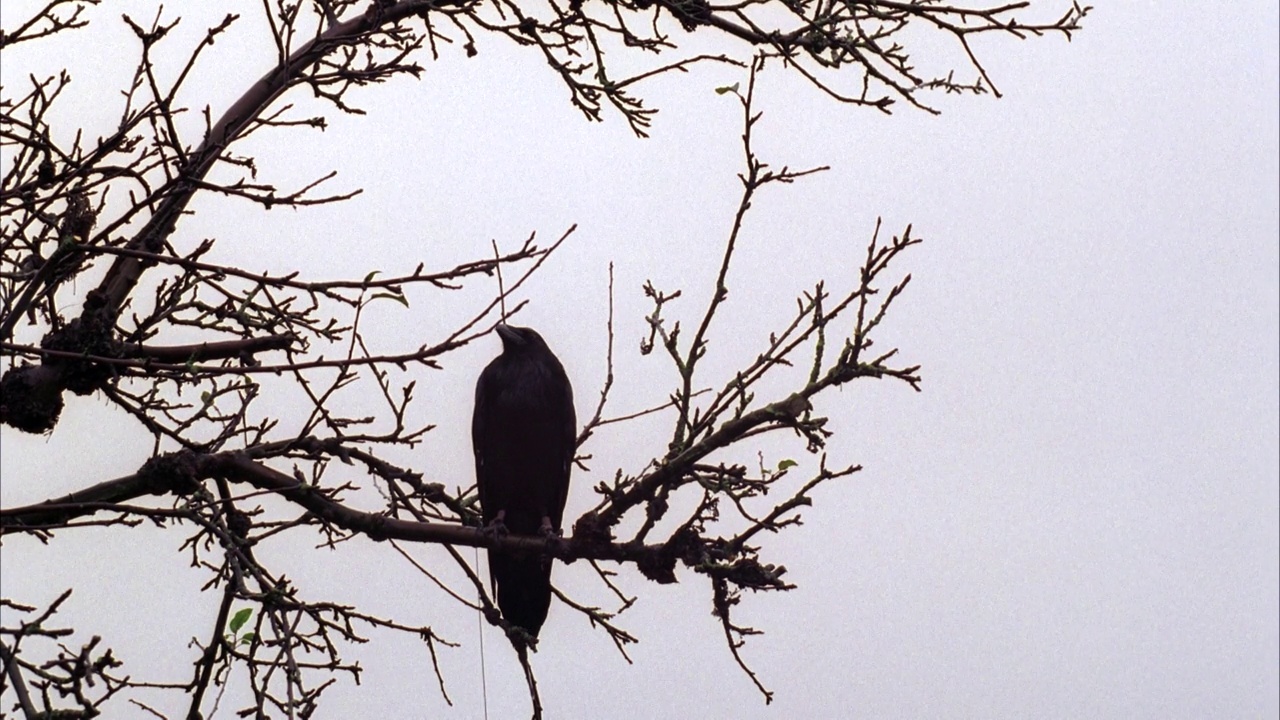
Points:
(484, 682)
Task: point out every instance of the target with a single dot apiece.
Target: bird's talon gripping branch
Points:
(496, 528)
(548, 530)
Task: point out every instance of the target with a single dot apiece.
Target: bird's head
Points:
(519, 339)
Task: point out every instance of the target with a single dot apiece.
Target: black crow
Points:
(523, 433)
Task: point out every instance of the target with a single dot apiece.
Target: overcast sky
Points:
(1076, 518)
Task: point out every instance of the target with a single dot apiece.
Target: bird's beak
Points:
(508, 334)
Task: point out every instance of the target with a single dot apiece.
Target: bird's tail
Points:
(524, 589)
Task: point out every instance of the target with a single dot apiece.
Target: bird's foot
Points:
(549, 531)
(549, 534)
(496, 528)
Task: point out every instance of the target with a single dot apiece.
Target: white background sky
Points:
(1076, 518)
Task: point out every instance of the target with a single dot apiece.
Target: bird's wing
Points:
(568, 437)
(480, 421)
(479, 426)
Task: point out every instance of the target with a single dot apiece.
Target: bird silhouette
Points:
(523, 434)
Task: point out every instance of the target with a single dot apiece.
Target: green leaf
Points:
(371, 275)
(727, 89)
(786, 464)
(239, 619)
(394, 296)
(247, 638)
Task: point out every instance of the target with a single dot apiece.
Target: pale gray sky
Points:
(1076, 518)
